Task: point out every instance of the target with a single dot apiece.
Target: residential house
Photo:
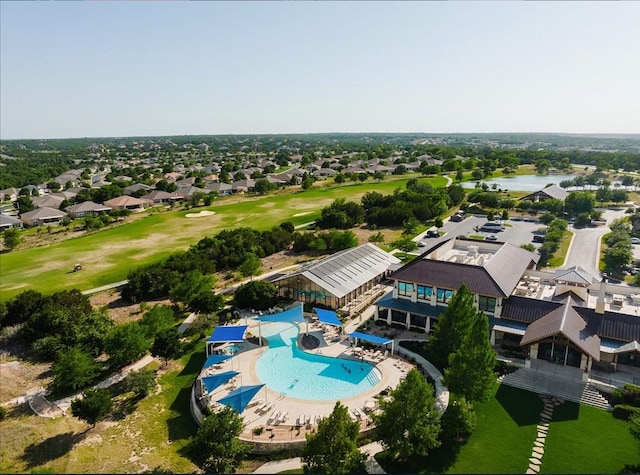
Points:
(86, 208)
(48, 201)
(243, 186)
(8, 222)
(550, 192)
(131, 189)
(9, 194)
(159, 197)
(222, 189)
(127, 202)
(42, 217)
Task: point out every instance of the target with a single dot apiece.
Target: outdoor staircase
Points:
(543, 383)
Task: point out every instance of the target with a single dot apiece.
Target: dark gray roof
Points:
(523, 309)
(508, 264)
(567, 322)
(575, 274)
(498, 277)
(617, 326)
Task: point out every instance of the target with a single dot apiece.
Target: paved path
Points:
(105, 287)
(371, 465)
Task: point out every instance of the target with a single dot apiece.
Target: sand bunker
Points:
(301, 214)
(200, 214)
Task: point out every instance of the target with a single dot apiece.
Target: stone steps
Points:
(543, 383)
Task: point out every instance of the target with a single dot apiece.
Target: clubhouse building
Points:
(566, 322)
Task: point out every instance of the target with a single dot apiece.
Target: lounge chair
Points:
(352, 416)
(356, 413)
(283, 416)
(274, 417)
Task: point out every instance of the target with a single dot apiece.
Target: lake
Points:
(521, 182)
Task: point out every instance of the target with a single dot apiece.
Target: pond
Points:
(522, 182)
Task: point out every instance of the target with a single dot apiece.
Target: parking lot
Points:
(515, 232)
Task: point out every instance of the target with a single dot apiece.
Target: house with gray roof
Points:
(555, 318)
(86, 208)
(222, 189)
(550, 192)
(8, 222)
(159, 197)
(42, 217)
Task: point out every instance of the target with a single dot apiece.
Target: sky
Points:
(105, 69)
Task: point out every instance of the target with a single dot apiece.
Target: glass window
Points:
(487, 304)
(405, 288)
(444, 295)
(424, 293)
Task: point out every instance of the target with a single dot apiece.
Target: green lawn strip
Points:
(585, 439)
(561, 254)
(504, 435)
(108, 255)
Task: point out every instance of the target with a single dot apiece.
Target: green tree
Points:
(216, 447)
(251, 266)
(409, 422)
(406, 244)
(452, 326)
(140, 382)
(333, 448)
(157, 319)
(470, 372)
(11, 238)
(94, 405)
(192, 284)
(258, 294)
(126, 343)
(459, 420)
(74, 369)
(307, 183)
(167, 345)
(24, 204)
(409, 226)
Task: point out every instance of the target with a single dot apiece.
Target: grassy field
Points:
(108, 255)
(561, 254)
(584, 439)
(153, 435)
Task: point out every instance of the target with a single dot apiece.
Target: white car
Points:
(635, 240)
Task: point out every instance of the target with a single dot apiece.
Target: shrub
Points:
(629, 395)
(625, 411)
(3, 413)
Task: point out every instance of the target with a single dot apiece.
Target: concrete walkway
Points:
(371, 465)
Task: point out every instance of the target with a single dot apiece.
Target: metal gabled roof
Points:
(347, 270)
(567, 322)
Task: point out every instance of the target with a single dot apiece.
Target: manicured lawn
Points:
(584, 439)
(504, 435)
(561, 254)
(107, 256)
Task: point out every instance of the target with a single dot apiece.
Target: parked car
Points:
(459, 216)
(635, 240)
(491, 237)
(432, 233)
(421, 244)
(492, 226)
(538, 238)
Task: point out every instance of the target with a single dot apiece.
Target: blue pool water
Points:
(287, 369)
(231, 349)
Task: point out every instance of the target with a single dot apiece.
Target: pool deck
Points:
(392, 369)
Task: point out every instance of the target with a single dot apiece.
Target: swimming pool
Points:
(287, 369)
(231, 349)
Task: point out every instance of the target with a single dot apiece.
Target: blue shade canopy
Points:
(291, 315)
(212, 382)
(241, 397)
(215, 359)
(227, 333)
(328, 316)
(372, 338)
